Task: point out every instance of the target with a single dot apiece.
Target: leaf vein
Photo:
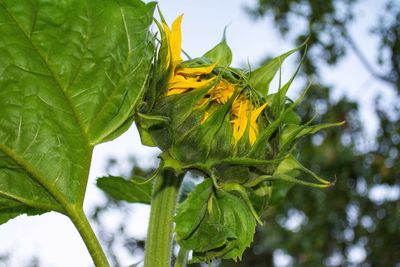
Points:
(51, 71)
(34, 175)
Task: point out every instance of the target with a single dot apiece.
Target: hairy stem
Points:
(81, 223)
(159, 236)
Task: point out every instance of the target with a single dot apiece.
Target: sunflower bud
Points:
(205, 115)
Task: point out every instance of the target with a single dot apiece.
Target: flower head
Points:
(243, 113)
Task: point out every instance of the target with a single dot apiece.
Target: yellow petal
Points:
(253, 131)
(193, 83)
(176, 41)
(236, 105)
(223, 92)
(195, 71)
(255, 113)
(241, 122)
(177, 91)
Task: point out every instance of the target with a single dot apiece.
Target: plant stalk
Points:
(81, 223)
(158, 250)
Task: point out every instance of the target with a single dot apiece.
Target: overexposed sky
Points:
(53, 238)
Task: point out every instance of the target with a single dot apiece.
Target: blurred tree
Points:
(326, 25)
(356, 222)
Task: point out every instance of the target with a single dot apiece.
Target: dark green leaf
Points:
(10, 209)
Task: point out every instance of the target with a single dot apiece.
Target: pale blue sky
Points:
(53, 238)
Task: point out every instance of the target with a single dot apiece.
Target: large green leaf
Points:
(71, 73)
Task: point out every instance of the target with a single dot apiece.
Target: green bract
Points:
(221, 121)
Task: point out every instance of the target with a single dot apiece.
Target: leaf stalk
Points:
(81, 223)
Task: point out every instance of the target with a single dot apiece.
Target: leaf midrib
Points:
(26, 203)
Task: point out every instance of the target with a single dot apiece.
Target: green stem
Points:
(181, 259)
(158, 250)
(81, 223)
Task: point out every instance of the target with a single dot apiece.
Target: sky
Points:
(54, 239)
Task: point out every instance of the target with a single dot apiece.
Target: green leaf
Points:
(290, 168)
(71, 73)
(221, 54)
(10, 209)
(316, 128)
(191, 211)
(214, 224)
(122, 189)
(294, 132)
(279, 99)
(262, 77)
(260, 196)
